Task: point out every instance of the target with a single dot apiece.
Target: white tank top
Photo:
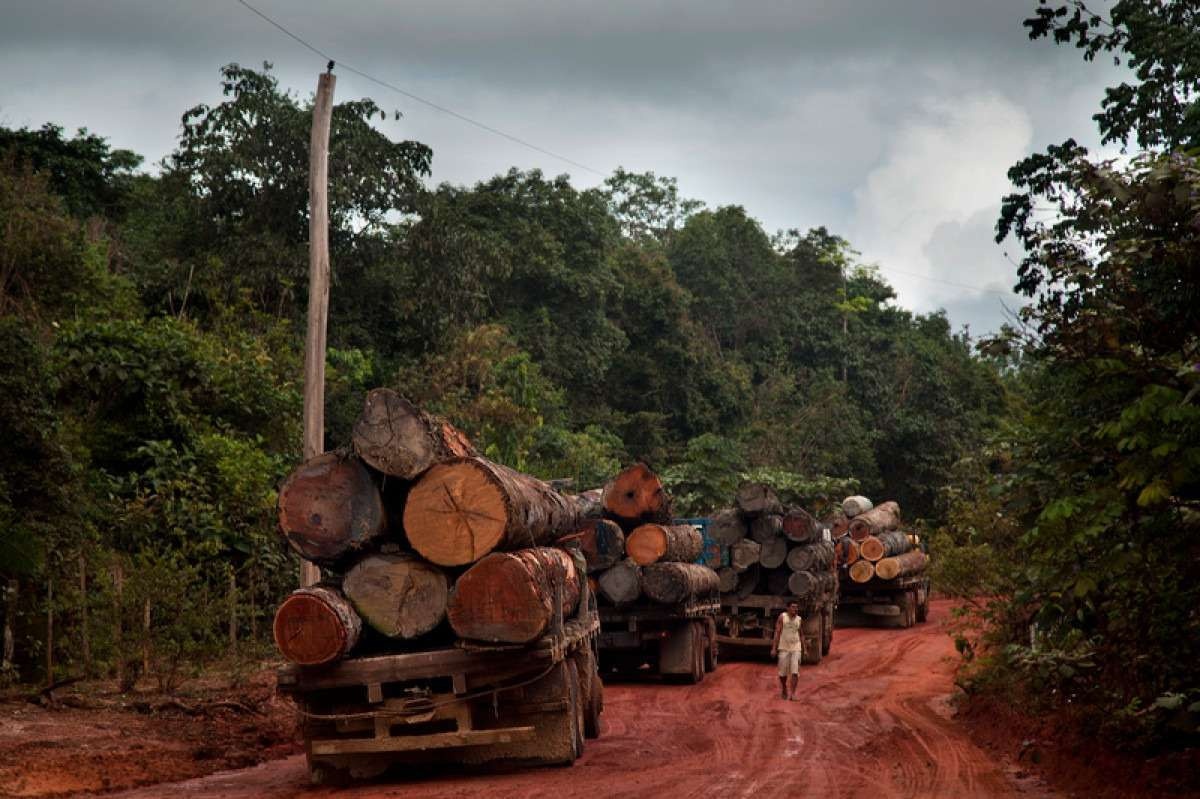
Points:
(789, 637)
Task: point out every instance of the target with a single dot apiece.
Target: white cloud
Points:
(926, 208)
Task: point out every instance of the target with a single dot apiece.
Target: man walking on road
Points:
(787, 646)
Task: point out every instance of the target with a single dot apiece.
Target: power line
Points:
(967, 286)
(385, 84)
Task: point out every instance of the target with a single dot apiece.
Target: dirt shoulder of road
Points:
(87, 737)
(1060, 754)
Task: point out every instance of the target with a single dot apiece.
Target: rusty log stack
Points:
(872, 549)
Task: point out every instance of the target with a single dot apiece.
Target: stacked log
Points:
(656, 552)
(873, 550)
(880, 519)
(770, 544)
(412, 498)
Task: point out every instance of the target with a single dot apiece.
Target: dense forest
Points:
(151, 333)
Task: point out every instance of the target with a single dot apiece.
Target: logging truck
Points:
(887, 580)
(461, 704)
(747, 622)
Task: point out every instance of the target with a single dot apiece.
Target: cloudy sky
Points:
(892, 122)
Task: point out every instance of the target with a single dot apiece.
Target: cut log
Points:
(399, 595)
(846, 550)
(465, 508)
(676, 583)
(766, 527)
(652, 543)
(636, 496)
(329, 507)
(839, 525)
(316, 625)
(880, 519)
(884, 545)
(853, 506)
(905, 565)
(800, 526)
(748, 582)
(803, 584)
(773, 553)
(513, 597)
(589, 504)
(811, 557)
(726, 527)
(754, 499)
(622, 583)
(399, 439)
(602, 544)
(862, 571)
(727, 579)
(744, 554)
(777, 582)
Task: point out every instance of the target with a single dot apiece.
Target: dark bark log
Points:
(395, 437)
(465, 508)
(727, 579)
(726, 527)
(589, 504)
(399, 595)
(880, 519)
(811, 557)
(602, 544)
(654, 543)
(675, 583)
(622, 583)
(330, 507)
(839, 525)
(905, 565)
(856, 505)
(773, 553)
(846, 550)
(635, 497)
(861, 571)
(884, 545)
(766, 527)
(513, 597)
(744, 554)
(748, 581)
(755, 499)
(316, 625)
(804, 584)
(800, 526)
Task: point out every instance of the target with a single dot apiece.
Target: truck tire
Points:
(923, 606)
(827, 633)
(908, 612)
(591, 718)
(711, 649)
(590, 690)
(812, 633)
(575, 709)
(698, 640)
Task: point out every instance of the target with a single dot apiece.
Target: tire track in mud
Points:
(871, 721)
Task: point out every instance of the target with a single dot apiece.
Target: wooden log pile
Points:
(872, 548)
(422, 540)
(773, 548)
(660, 561)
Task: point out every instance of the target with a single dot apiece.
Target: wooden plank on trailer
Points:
(413, 743)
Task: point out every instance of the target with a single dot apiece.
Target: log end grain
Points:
(861, 571)
(647, 544)
(330, 506)
(399, 439)
(870, 548)
(315, 626)
(399, 595)
(602, 544)
(455, 514)
(509, 597)
(636, 495)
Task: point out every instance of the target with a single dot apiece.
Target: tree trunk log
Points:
(856, 505)
(514, 597)
(846, 550)
(755, 499)
(654, 543)
(316, 625)
(462, 509)
(880, 519)
(811, 557)
(675, 583)
(884, 545)
(589, 504)
(602, 544)
(744, 554)
(622, 583)
(773, 553)
(395, 437)
(329, 507)
(803, 584)
(399, 595)
(862, 571)
(726, 527)
(636, 497)
(905, 565)
(800, 526)
(748, 581)
(766, 527)
(777, 582)
(727, 579)
(839, 525)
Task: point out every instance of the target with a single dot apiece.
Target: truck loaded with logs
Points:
(883, 569)
(657, 602)
(451, 624)
(776, 555)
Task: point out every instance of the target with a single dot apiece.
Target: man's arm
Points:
(778, 632)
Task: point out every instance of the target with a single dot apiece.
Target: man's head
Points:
(793, 607)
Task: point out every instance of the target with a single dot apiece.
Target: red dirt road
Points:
(873, 720)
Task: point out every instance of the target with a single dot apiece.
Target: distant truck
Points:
(901, 603)
(747, 623)
(458, 704)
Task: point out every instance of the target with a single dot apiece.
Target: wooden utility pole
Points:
(318, 284)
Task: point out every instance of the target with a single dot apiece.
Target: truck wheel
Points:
(697, 674)
(827, 632)
(923, 608)
(578, 714)
(812, 633)
(908, 613)
(711, 649)
(595, 706)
